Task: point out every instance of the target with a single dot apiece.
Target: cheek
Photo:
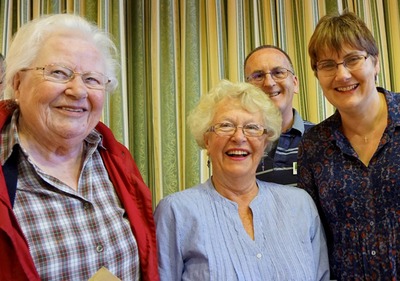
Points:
(260, 147)
(97, 101)
(324, 83)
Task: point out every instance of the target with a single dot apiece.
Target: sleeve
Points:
(170, 264)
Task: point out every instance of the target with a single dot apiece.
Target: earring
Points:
(16, 101)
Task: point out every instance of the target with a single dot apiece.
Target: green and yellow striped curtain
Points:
(173, 51)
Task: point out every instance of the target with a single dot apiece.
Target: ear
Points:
(17, 84)
(206, 138)
(377, 65)
(266, 141)
(295, 84)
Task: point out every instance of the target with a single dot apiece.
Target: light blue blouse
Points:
(201, 237)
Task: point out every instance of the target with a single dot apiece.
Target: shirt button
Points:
(371, 223)
(373, 253)
(99, 248)
(259, 256)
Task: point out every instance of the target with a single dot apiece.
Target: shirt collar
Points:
(9, 138)
(298, 123)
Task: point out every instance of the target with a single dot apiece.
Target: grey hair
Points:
(29, 39)
(251, 99)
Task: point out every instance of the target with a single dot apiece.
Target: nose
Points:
(239, 135)
(268, 80)
(76, 88)
(342, 72)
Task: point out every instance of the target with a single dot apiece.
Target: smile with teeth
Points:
(271, 95)
(237, 153)
(72, 109)
(348, 88)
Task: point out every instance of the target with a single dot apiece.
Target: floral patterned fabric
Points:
(359, 205)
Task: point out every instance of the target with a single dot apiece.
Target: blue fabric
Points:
(359, 205)
(279, 164)
(201, 237)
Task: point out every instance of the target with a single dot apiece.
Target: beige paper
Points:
(103, 274)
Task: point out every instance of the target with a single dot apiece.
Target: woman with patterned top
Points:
(233, 226)
(72, 201)
(350, 162)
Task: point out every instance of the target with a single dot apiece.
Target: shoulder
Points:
(290, 199)
(183, 200)
(289, 193)
(324, 130)
(111, 144)
(393, 104)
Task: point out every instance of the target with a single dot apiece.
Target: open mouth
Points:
(271, 95)
(348, 88)
(237, 153)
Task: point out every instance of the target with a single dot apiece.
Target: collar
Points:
(298, 124)
(10, 138)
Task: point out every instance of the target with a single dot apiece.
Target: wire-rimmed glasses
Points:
(226, 129)
(329, 68)
(279, 73)
(62, 74)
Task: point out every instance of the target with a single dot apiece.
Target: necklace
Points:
(378, 118)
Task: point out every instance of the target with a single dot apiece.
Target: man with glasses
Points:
(270, 68)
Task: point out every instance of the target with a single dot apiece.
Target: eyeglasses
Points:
(227, 129)
(277, 74)
(329, 67)
(61, 74)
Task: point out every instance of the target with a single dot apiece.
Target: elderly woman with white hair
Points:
(72, 201)
(233, 226)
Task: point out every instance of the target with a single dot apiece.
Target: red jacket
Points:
(16, 262)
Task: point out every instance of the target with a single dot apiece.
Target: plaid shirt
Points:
(72, 234)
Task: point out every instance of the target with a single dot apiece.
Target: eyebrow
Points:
(352, 53)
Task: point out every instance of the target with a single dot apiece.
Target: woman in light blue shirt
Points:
(233, 226)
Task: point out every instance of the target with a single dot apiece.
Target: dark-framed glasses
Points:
(61, 74)
(226, 129)
(329, 68)
(277, 74)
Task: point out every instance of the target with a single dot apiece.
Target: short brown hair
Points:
(333, 32)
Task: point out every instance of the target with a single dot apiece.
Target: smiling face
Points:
(281, 92)
(347, 90)
(60, 111)
(234, 156)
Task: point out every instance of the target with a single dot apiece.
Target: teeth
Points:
(72, 109)
(349, 88)
(271, 95)
(237, 152)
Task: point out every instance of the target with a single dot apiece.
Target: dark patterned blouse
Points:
(359, 205)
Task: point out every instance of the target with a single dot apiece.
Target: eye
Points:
(93, 79)
(253, 127)
(326, 65)
(224, 127)
(279, 71)
(353, 60)
(58, 72)
(259, 75)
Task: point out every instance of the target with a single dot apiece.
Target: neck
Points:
(366, 125)
(236, 191)
(287, 121)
